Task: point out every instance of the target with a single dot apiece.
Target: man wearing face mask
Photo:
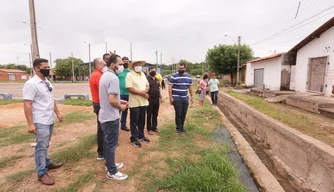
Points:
(124, 92)
(100, 67)
(111, 103)
(138, 86)
(179, 85)
(154, 101)
(106, 57)
(39, 107)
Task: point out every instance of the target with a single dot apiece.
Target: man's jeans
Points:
(152, 114)
(137, 123)
(43, 137)
(100, 136)
(214, 97)
(111, 131)
(124, 113)
(181, 108)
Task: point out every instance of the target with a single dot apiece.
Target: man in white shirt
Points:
(39, 107)
(214, 89)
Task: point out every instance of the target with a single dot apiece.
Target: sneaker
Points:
(136, 144)
(118, 166)
(184, 131)
(150, 132)
(100, 157)
(125, 128)
(178, 131)
(156, 130)
(144, 139)
(117, 176)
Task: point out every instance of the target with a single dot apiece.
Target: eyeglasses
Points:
(49, 86)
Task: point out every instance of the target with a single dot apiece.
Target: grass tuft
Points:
(77, 116)
(7, 102)
(8, 161)
(80, 181)
(78, 102)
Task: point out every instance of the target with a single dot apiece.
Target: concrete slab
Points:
(310, 101)
(278, 99)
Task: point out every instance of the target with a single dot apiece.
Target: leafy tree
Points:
(64, 67)
(21, 67)
(224, 58)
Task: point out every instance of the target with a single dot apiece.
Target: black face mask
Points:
(153, 73)
(181, 72)
(126, 65)
(45, 72)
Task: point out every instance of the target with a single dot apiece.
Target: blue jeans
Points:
(137, 123)
(124, 113)
(111, 132)
(43, 137)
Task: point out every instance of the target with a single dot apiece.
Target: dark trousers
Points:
(181, 108)
(111, 132)
(214, 97)
(137, 123)
(152, 114)
(124, 113)
(100, 135)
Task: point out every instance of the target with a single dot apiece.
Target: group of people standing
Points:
(116, 85)
(208, 84)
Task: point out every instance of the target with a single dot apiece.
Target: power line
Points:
(289, 28)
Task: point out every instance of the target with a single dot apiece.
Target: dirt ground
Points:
(66, 135)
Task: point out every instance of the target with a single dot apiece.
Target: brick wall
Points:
(3, 76)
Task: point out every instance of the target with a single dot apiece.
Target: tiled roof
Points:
(12, 70)
(265, 58)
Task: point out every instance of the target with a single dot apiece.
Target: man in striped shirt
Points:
(179, 85)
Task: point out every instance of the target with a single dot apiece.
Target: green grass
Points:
(9, 160)
(18, 176)
(80, 181)
(298, 121)
(15, 135)
(75, 153)
(6, 102)
(192, 167)
(78, 102)
(77, 116)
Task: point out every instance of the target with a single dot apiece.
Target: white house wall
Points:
(272, 73)
(316, 48)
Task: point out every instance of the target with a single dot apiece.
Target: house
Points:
(314, 61)
(271, 72)
(12, 75)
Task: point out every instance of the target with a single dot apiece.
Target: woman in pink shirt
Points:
(203, 87)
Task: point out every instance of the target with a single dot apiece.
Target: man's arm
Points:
(56, 110)
(191, 93)
(28, 114)
(114, 102)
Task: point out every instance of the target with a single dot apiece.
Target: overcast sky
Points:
(183, 29)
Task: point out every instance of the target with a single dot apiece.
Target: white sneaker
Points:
(118, 176)
(118, 166)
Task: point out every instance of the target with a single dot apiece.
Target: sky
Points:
(179, 29)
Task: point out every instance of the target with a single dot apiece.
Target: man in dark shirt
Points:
(154, 101)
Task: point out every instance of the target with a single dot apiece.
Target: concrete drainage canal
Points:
(293, 160)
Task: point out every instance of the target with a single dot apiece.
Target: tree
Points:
(224, 58)
(64, 67)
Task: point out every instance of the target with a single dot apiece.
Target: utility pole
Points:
(156, 57)
(90, 65)
(106, 47)
(50, 61)
(239, 39)
(35, 50)
(161, 58)
(131, 51)
(17, 60)
(30, 65)
(72, 67)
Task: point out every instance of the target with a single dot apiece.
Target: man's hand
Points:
(147, 96)
(171, 100)
(191, 100)
(60, 118)
(123, 107)
(32, 129)
(123, 102)
(112, 53)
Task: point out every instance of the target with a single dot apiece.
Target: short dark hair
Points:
(125, 58)
(104, 55)
(152, 67)
(183, 64)
(205, 76)
(112, 59)
(37, 62)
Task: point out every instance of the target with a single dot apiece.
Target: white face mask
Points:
(105, 69)
(120, 69)
(138, 68)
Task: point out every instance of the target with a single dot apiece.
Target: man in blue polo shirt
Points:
(179, 85)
